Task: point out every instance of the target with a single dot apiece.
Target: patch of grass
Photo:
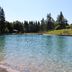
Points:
(61, 32)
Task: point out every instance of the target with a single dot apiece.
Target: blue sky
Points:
(35, 9)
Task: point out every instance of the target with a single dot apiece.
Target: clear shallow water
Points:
(37, 53)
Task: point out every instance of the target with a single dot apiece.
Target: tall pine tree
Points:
(50, 22)
(2, 21)
(61, 21)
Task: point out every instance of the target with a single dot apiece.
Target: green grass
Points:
(60, 32)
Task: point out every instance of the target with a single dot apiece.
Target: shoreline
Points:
(38, 34)
(63, 32)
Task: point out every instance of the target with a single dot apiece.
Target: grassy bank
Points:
(67, 32)
(60, 32)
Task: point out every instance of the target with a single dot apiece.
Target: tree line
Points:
(33, 26)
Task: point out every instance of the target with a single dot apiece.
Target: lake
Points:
(37, 53)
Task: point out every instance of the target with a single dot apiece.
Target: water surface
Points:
(37, 53)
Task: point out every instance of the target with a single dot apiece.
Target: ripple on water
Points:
(36, 53)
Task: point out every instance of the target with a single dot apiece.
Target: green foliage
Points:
(43, 25)
(9, 27)
(50, 22)
(31, 26)
(26, 26)
(61, 21)
(37, 26)
(18, 26)
(2, 21)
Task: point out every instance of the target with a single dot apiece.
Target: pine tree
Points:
(49, 22)
(61, 21)
(2, 21)
(43, 25)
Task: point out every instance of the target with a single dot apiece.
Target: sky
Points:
(36, 9)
